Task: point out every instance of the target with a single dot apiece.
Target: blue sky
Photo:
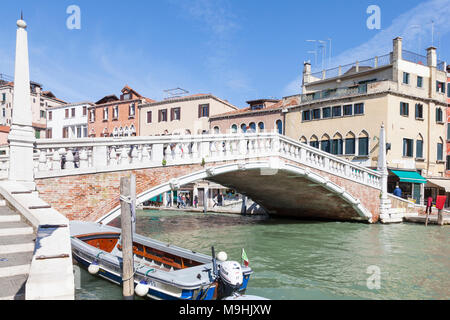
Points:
(237, 50)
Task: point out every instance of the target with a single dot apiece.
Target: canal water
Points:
(306, 259)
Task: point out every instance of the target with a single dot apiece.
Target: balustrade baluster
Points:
(84, 162)
(69, 165)
(113, 157)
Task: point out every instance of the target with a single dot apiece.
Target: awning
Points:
(409, 176)
(441, 183)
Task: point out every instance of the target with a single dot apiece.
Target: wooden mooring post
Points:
(127, 191)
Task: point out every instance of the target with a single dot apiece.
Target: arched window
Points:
(303, 140)
(314, 142)
(325, 143)
(363, 144)
(439, 117)
(252, 127)
(244, 128)
(234, 128)
(216, 130)
(350, 144)
(440, 150)
(419, 147)
(337, 145)
(279, 125)
(261, 127)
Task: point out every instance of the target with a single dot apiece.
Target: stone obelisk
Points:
(21, 137)
(385, 203)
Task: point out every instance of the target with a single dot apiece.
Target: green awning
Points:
(409, 176)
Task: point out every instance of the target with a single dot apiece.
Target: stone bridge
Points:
(81, 178)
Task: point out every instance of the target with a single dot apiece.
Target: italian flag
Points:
(244, 258)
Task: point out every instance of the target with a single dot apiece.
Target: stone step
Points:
(13, 288)
(14, 229)
(2, 203)
(14, 264)
(397, 210)
(16, 248)
(10, 218)
(20, 239)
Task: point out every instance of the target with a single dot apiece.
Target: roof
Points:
(281, 104)
(71, 105)
(198, 96)
(5, 129)
(112, 98)
(262, 101)
(107, 99)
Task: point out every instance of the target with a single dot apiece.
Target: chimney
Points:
(431, 57)
(397, 49)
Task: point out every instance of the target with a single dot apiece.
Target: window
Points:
(48, 133)
(363, 144)
(337, 145)
(127, 96)
(4, 112)
(105, 113)
(92, 115)
(337, 111)
(316, 114)
(65, 133)
(257, 107)
(149, 117)
(234, 128)
(73, 112)
(50, 115)
(37, 134)
(359, 108)
(116, 112)
(85, 131)
(348, 110)
(84, 111)
(419, 82)
(419, 111)
(448, 131)
(439, 115)
(314, 142)
(325, 144)
(42, 114)
(408, 146)
(279, 125)
(3, 97)
(78, 132)
(261, 126)
(67, 113)
(132, 110)
(216, 130)
(350, 146)
(440, 149)
(244, 128)
(404, 109)
(175, 114)
(162, 116)
(448, 89)
(326, 112)
(440, 87)
(447, 167)
(203, 110)
(419, 149)
(306, 115)
(252, 127)
(405, 78)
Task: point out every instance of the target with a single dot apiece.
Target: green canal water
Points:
(305, 259)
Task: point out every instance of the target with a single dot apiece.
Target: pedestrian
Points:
(178, 201)
(429, 205)
(215, 200)
(398, 191)
(220, 199)
(196, 201)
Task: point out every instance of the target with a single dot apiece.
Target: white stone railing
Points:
(53, 158)
(4, 162)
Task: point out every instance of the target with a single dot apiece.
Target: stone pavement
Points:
(16, 252)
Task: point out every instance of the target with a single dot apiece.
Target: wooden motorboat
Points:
(162, 270)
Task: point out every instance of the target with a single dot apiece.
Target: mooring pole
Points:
(127, 238)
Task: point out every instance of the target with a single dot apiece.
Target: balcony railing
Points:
(334, 93)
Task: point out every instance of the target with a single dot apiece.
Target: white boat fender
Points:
(142, 288)
(94, 268)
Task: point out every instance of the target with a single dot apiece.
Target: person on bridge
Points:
(398, 191)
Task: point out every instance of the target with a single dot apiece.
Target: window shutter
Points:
(199, 111)
(179, 114)
(159, 116)
(172, 111)
(149, 117)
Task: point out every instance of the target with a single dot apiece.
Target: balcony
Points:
(334, 93)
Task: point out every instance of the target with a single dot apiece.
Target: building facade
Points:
(116, 117)
(341, 111)
(182, 115)
(40, 101)
(68, 121)
(261, 115)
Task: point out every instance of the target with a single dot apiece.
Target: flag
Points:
(244, 258)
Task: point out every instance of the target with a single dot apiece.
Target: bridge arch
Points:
(266, 169)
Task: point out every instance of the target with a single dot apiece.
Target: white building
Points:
(68, 121)
(40, 102)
